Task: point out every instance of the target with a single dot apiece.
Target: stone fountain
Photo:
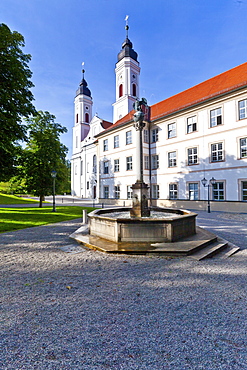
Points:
(141, 229)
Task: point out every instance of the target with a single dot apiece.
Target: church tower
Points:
(83, 114)
(127, 79)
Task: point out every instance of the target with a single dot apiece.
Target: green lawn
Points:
(12, 199)
(21, 218)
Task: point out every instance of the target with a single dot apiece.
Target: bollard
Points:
(84, 216)
(102, 205)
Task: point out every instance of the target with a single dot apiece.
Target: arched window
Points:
(77, 118)
(134, 89)
(120, 90)
(87, 117)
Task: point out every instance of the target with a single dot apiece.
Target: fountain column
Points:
(140, 189)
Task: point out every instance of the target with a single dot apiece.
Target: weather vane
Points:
(126, 26)
(83, 70)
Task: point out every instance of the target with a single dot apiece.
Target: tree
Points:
(44, 153)
(15, 96)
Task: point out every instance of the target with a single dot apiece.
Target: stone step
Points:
(227, 252)
(209, 250)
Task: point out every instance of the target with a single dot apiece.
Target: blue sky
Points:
(179, 44)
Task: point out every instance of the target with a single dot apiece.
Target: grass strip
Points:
(12, 199)
(21, 218)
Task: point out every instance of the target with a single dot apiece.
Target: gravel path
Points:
(95, 311)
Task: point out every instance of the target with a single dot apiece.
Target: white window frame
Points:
(145, 136)
(155, 161)
(105, 145)
(193, 190)
(243, 147)
(106, 192)
(191, 124)
(154, 135)
(244, 190)
(128, 137)
(129, 163)
(242, 110)
(173, 191)
(218, 191)
(117, 191)
(217, 151)
(116, 141)
(129, 192)
(155, 191)
(106, 167)
(172, 159)
(216, 117)
(146, 162)
(171, 130)
(192, 156)
(116, 165)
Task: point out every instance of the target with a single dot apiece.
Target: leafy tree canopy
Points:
(15, 96)
(44, 152)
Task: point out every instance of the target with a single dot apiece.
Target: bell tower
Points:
(83, 113)
(127, 73)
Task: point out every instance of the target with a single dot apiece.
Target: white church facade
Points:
(200, 133)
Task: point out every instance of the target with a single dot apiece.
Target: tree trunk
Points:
(40, 201)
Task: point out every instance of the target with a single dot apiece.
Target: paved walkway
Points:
(92, 311)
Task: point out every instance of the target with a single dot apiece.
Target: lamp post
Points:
(204, 183)
(53, 175)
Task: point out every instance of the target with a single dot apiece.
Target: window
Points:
(171, 130)
(215, 117)
(87, 117)
(105, 145)
(155, 191)
(116, 141)
(129, 163)
(94, 164)
(87, 185)
(106, 192)
(76, 169)
(172, 159)
(155, 135)
(129, 192)
(117, 192)
(81, 167)
(87, 167)
(145, 136)
(128, 137)
(116, 165)
(120, 90)
(134, 89)
(77, 118)
(76, 141)
(191, 124)
(155, 162)
(242, 109)
(193, 191)
(146, 162)
(173, 191)
(218, 191)
(217, 152)
(192, 156)
(243, 148)
(106, 167)
(244, 190)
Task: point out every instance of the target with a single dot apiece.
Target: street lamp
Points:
(53, 175)
(204, 183)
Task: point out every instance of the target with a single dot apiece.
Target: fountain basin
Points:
(166, 225)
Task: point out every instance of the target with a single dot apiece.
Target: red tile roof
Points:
(221, 84)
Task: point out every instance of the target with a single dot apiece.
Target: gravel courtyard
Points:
(95, 311)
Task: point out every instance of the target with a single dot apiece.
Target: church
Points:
(194, 143)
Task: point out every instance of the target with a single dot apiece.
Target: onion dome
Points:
(83, 89)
